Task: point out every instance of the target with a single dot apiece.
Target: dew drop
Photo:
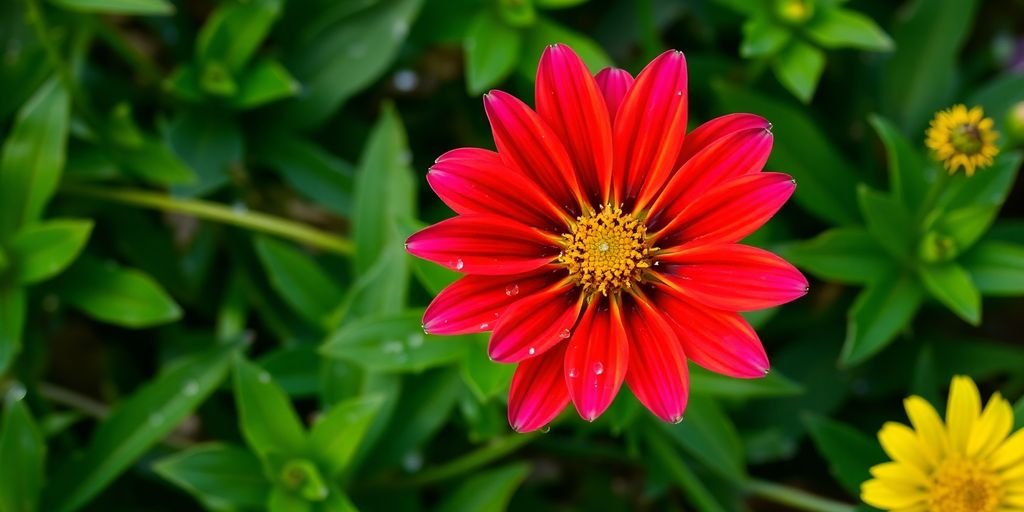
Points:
(532, 351)
(459, 264)
(598, 368)
(264, 377)
(412, 462)
(415, 340)
(573, 373)
(406, 80)
(512, 290)
(16, 392)
(678, 420)
(564, 334)
(392, 347)
(191, 388)
(545, 429)
(484, 326)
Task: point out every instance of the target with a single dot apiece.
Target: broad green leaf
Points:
(12, 323)
(798, 67)
(951, 285)
(708, 434)
(836, 28)
(707, 383)
(43, 250)
(909, 174)
(265, 415)
(299, 280)
(26, 64)
(337, 433)
(129, 7)
(33, 157)
(997, 96)
(263, 82)
(486, 491)
(209, 141)
(880, 312)
(988, 187)
(335, 61)
(115, 294)
(546, 32)
(888, 221)
(155, 162)
(763, 37)
(956, 231)
(848, 255)
(484, 377)
(826, 182)
(315, 173)
(23, 452)
(996, 268)
(220, 476)
(234, 32)
(392, 343)
(492, 49)
(148, 416)
(848, 451)
(921, 75)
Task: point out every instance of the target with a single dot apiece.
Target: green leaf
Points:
(311, 170)
(849, 452)
(558, 4)
(996, 268)
(826, 182)
(988, 187)
(432, 276)
(484, 377)
(111, 293)
(43, 250)
(12, 323)
(847, 255)
(980, 358)
(836, 28)
(881, 311)
(707, 383)
(334, 437)
(763, 37)
(708, 434)
(959, 229)
(293, 369)
(921, 75)
(220, 476)
(998, 96)
(264, 82)
(127, 7)
(888, 221)
(234, 32)
(148, 416)
(392, 343)
(283, 501)
(299, 280)
(208, 141)
(1018, 413)
(798, 67)
(951, 285)
(23, 453)
(909, 174)
(33, 157)
(517, 12)
(265, 415)
(155, 162)
(492, 49)
(546, 32)
(486, 491)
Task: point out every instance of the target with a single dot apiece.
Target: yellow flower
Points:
(967, 464)
(962, 138)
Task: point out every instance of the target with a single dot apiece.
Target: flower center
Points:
(966, 138)
(606, 250)
(961, 485)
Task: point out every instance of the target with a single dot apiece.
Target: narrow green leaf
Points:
(293, 368)
(315, 173)
(763, 37)
(980, 358)
(23, 453)
(798, 67)
(837, 28)
(996, 268)
(492, 49)
(33, 157)
(708, 434)
(485, 378)
(42, 251)
(264, 82)
(997, 97)
(114, 294)
(283, 501)
(392, 343)
(707, 383)
(848, 451)
(888, 221)
(220, 476)
(128, 7)
(155, 162)
(988, 187)
(848, 255)
(265, 415)
(668, 461)
(334, 437)
(909, 174)
(958, 230)
(208, 141)
(235, 31)
(881, 311)
(546, 32)
(486, 491)
(12, 323)
(148, 416)
(951, 285)
(299, 280)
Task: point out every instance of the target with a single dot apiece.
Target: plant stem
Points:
(469, 462)
(799, 500)
(207, 210)
(74, 400)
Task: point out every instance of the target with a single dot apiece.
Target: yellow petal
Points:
(1009, 453)
(903, 446)
(1015, 500)
(904, 474)
(995, 424)
(929, 428)
(920, 507)
(880, 495)
(962, 412)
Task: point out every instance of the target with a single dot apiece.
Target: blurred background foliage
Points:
(205, 301)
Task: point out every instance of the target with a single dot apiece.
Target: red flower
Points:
(599, 242)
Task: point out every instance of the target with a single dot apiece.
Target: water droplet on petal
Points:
(484, 326)
(532, 351)
(598, 368)
(512, 290)
(459, 264)
(264, 377)
(564, 334)
(573, 373)
(191, 388)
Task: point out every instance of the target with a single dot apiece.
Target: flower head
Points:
(599, 243)
(967, 464)
(962, 138)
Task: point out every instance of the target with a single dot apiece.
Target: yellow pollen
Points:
(964, 485)
(959, 137)
(606, 251)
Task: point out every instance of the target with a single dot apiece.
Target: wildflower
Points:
(962, 138)
(599, 242)
(967, 464)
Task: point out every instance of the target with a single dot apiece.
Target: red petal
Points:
(657, 372)
(730, 212)
(538, 391)
(733, 277)
(716, 128)
(526, 142)
(649, 128)
(474, 303)
(533, 325)
(570, 102)
(727, 158)
(721, 341)
(476, 181)
(596, 360)
(482, 244)
(614, 83)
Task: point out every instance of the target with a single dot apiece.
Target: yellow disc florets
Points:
(606, 251)
(964, 485)
(962, 138)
